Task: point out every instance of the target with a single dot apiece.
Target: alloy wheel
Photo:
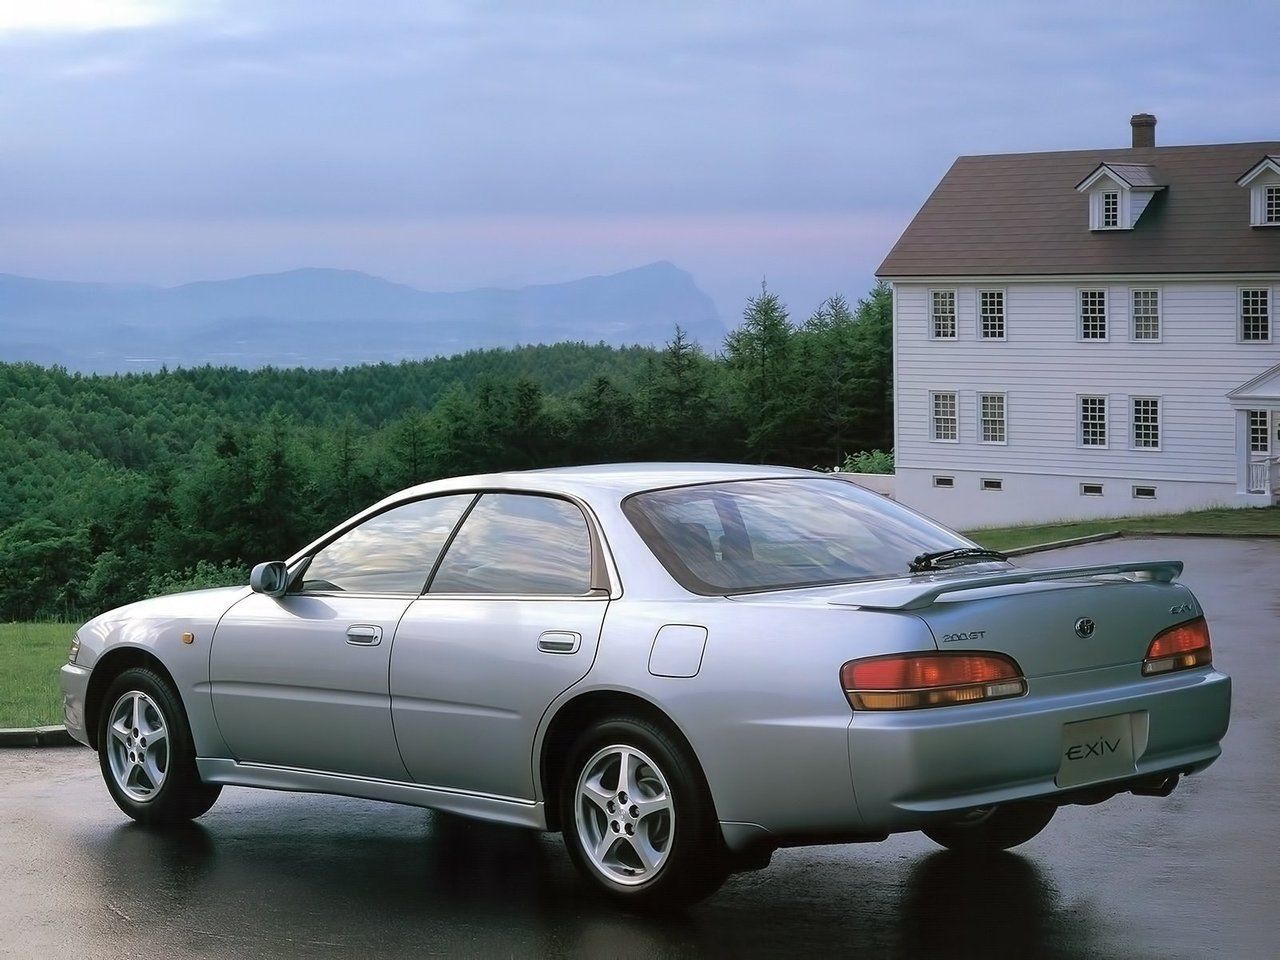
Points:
(138, 746)
(625, 815)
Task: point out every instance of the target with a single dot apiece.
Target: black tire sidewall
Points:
(694, 867)
(182, 796)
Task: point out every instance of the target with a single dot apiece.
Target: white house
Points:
(1090, 333)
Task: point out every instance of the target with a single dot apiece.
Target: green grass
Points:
(1259, 521)
(30, 655)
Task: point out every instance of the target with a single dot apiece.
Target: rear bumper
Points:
(74, 681)
(913, 767)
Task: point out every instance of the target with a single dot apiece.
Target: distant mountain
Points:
(333, 318)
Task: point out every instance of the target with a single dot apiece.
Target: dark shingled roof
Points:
(1020, 214)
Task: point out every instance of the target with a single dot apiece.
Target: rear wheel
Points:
(146, 753)
(993, 828)
(638, 818)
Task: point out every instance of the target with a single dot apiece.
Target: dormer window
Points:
(1119, 193)
(1263, 181)
(1110, 210)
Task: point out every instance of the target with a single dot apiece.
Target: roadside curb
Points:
(1056, 544)
(55, 736)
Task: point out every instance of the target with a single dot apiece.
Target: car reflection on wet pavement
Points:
(272, 875)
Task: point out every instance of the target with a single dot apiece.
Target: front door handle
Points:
(559, 641)
(364, 634)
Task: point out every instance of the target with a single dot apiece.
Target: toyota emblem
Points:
(1084, 628)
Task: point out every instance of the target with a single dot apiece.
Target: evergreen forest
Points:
(116, 487)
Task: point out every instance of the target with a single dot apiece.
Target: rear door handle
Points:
(364, 634)
(559, 641)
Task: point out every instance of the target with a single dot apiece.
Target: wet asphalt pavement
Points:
(1196, 875)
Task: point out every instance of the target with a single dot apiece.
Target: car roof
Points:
(611, 479)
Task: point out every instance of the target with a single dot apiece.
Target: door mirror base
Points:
(270, 578)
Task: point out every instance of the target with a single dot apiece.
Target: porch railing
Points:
(1260, 476)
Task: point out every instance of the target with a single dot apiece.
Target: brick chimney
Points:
(1144, 129)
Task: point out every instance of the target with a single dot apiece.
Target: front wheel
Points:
(993, 828)
(638, 818)
(146, 753)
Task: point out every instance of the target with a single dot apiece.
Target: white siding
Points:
(1042, 366)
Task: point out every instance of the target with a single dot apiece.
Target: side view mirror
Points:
(270, 578)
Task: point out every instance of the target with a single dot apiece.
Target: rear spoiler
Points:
(916, 594)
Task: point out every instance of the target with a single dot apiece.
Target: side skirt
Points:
(520, 813)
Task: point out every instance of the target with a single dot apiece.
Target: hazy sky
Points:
(456, 144)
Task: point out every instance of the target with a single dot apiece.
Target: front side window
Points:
(1146, 422)
(992, 417)
(1093, 421)
(945, 421)
(1146, 314)
(1093, 314)
(518, 544)
(1255, 314)
(392, 552)
(944, 314)
(991, 314)
(773, 534)
(1111, 209)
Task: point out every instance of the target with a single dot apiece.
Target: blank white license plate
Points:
(1096, 750)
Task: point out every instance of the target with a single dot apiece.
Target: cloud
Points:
(89, 16)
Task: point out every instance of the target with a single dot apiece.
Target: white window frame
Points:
(933, 415)
(1258, 423)
(1155, 493)
(1106, 421)
(1102, 211)
(1270, 218)
(955, 313)
(1271, 312)
(1092, 483)
(1106, 314)
(1133, 425)
(1004, 314)
(1258, 195)
(944, 482)
(1004, 418)
(984, 481)
(1133, 317)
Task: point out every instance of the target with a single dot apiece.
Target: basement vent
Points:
(944, 481)
(1144, 493)
(992, 484)
(1090, 489)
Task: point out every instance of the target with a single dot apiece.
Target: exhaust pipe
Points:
(1156, 787)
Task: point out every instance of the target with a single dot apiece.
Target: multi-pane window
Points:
(1093, 421)
(1111, 209)
(1271, 205)
(991, 314)
(945, 421)
(1255, 314)
(1258, 437)
(1093, 314)
(944, 314)
(1146, 422)
(1146, 314)
(991, 417)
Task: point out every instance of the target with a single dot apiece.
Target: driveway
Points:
(274, 875)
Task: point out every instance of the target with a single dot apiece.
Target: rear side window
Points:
(518, 544)
(738, 536)
(392, 552)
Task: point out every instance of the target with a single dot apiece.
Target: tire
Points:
(650, 838)
(995, 828)
(146, 753)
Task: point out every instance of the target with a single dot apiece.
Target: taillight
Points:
(914, 680)
(1179, 648)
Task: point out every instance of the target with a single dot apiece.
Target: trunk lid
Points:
(1050, 621)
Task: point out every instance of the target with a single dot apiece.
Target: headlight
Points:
(75, 649)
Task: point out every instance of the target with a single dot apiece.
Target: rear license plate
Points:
(1096, 750)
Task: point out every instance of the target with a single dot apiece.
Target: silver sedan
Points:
(680, 667)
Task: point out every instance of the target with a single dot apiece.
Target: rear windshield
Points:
(746, 535)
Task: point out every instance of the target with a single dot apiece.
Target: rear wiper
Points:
(945, 558)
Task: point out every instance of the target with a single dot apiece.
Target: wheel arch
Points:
(574, 716)
(109, 666)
